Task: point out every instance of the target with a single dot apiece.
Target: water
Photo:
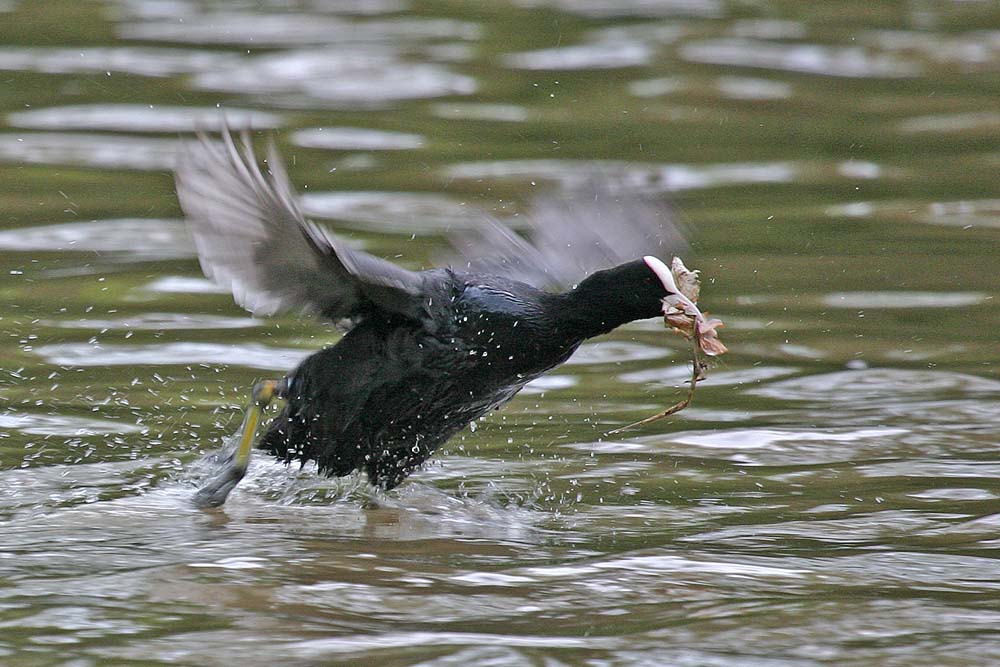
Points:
(829, 499)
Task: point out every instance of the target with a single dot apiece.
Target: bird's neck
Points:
(608, 299)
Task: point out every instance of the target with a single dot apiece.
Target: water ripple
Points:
(106, 151)
(63, 425)
(157, 322)
(286, 29)
(503, 113)
(671, 376)
(400, 212)
(772, 446)
(971, 50)
(844, 61)
(982, 121)
(903, 299)
(730, 87)
(877, 384)
(356, 138)
(965, 213)
(655, 177)
(583, 57)
(248, 355)
(616, 352)
(173, 9)
(148, 238)
(183, 285)
(337, 78)
(623, 8)
(151, 61)
(141, 118)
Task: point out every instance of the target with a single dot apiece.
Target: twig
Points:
(697, 373)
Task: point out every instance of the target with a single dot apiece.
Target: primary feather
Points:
(252, 238)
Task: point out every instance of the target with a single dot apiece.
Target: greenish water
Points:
(830, 499)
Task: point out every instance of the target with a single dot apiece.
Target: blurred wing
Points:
(253, 239)
(572, 234)
(492, 248)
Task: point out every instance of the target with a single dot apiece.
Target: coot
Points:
(425, 352)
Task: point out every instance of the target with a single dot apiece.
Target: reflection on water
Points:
(624, 8)
(828, 499)
(159, 322)
(967, 214)
(982, 121)
(746, 88)
(662, 178)
(594, 56)
(263, 29)
(62, 425)
(862, 300)
(250, 355)
(615, 352)
(362, 76)
(140, 118)
(151, 61)
(808, 58)
(608, 48)
(974, 50)
(401, 212)
(148, 238)
(675, 375)
(91, 150)
(508, 113)
(550, 382)
(356, 138)
(883, 384)
(790, 446)
(184, 285)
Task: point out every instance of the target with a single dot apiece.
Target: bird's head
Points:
(642, 289)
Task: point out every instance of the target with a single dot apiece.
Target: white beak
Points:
(663, 273)
(675, 295)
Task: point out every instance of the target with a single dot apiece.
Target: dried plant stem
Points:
(697, 373)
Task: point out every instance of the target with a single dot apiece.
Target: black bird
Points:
(425, 352)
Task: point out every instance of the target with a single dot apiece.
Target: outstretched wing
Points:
(252, 238)
(573, 233)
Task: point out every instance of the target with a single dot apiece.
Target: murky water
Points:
(830, 498)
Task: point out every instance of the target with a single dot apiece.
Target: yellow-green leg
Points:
(217, 489)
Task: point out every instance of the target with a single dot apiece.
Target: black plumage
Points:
(425, 352)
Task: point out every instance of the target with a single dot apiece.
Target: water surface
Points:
(829, 499)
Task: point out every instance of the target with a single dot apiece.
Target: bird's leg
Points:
(217, 489)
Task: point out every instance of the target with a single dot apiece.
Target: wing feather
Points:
(570, 234)
(253, 239)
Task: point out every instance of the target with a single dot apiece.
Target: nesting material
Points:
(682, 315)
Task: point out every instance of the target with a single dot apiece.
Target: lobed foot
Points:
(217, 489)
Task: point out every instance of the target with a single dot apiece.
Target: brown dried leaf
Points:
(687, 280)
(708, 338)
(680, 307)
